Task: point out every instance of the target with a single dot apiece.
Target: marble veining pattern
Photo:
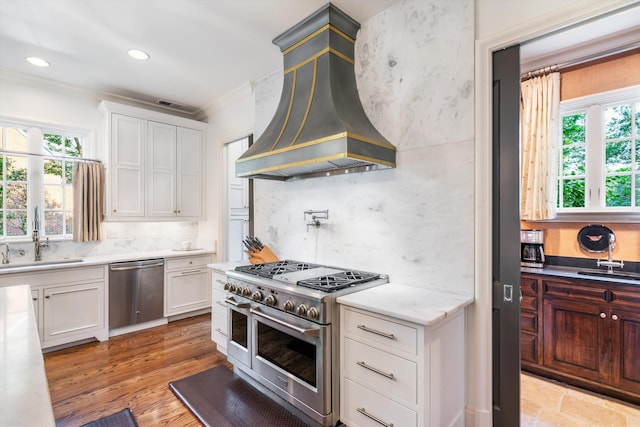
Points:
(414, 222)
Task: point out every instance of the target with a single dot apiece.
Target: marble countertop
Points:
(24, 391)
(46, 264)
(224, 266)
(417, 305)
(574, 273)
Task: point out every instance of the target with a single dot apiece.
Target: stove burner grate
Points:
(270, 269)
(338, 281)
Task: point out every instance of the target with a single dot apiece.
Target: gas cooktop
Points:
(314, 276)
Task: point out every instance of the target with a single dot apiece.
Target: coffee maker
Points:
(532, 248)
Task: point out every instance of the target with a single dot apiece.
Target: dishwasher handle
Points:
(135, 267)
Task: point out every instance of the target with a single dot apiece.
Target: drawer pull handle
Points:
(221, 304)
(373, 331)
(220, 331)
(376, 370)
(190, 272)
(221, 282)
(374, 418)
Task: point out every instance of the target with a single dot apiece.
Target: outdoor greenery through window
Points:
(600, 153)
(43, 180)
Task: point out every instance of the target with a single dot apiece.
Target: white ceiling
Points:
(200, 49)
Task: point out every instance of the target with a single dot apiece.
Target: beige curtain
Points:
(88, 198)
(539, 144)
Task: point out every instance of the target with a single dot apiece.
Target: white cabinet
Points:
(187, 284)
(127, 190)
(155, 165)
(219, 311)
(395, 372)
(237, 203)
(69, 304)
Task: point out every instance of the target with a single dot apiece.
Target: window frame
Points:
(35, 186)
(595, 192)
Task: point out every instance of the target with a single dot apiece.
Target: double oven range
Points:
(284, 330)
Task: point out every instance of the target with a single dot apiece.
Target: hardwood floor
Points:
(131, 371)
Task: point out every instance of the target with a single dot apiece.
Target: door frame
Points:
(479, 324)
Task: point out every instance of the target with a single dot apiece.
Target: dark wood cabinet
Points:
(588, 333)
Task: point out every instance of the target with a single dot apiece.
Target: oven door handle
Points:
(237, 304)
(310, 332)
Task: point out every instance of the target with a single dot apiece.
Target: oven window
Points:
(239, 328)
(295, 356)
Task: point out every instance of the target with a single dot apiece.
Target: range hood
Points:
(319, 127)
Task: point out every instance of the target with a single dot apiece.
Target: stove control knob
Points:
(226, 286)
(257, 296)
(302, 310)
(313, 313)
(232, 288)
(270, 300)
(246, 292)
(289, 306)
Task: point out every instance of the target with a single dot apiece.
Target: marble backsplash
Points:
(414, 70)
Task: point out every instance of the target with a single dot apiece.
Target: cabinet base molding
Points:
(137, 327)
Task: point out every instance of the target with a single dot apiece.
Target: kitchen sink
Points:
(38, 263)
(612, 275)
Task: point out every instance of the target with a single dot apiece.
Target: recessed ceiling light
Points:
(138, 54)
(38, 62)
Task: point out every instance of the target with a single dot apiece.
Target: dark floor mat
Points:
(123, 418)
(219, 398)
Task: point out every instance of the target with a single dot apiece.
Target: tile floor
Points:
(551, 404)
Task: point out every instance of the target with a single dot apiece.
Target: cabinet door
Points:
(188, 290)
(577, 338)
(72, 310)
(626, 349)
(189, 173)
(127, 166)
(238, 190)
(161, 170)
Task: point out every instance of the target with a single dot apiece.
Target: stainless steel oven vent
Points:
(319, 127)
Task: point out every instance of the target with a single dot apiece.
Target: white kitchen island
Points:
(402, 357)
(24, 391)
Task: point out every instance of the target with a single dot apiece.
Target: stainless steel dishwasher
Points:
(136, 292)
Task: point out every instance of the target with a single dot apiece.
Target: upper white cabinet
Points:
(154, 166)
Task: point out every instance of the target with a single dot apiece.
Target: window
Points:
(36, 171)
(600, 154)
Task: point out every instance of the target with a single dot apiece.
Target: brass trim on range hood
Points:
(319, 127)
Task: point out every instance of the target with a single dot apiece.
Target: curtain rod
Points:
(68, 159)
(577, 61)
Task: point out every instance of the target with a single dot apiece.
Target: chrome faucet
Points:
(610, 263)
(38, 245)
(5, 254)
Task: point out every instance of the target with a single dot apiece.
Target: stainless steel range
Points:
(284, 330)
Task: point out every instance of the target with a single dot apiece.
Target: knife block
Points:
(263, 255)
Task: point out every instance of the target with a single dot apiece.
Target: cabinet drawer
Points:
(528, 321)
(529, 286)
(56, 277)
(358, 401)
(381, 333)
(218, 280)
(529, 347)
(552, 288)
(380, 371)
(529, 303)
(219, 305)
(188, 262)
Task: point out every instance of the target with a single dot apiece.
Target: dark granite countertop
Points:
(587, 269)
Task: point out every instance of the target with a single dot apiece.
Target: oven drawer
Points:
(361, 407)
(381, 333)
(374, 368)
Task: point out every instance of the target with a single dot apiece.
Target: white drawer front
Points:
(384, 334)
(218, 280)
(388, 374)
(365, 408)
(188, 262)
(219, 331)
(219, 305)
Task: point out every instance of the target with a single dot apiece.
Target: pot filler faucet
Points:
(610, 263)
(36, 238)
